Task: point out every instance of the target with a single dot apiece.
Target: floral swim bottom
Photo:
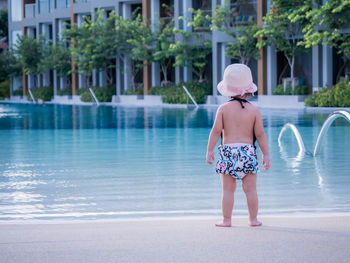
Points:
(237, 160)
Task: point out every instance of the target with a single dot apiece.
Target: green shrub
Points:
(44, 93)
(338, 96)
(301, 90)
(298, 90)
(65, 91)
(17, 92)
(311, 101)
(5, 89)
(342, 94)
(138, 91)
(81, 91)
(103, 94)
(86, 96)
(175, 93)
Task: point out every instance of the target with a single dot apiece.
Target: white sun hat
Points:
(237, 80)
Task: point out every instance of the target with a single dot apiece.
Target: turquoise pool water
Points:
(85, 162)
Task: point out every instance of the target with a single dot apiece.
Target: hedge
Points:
(176, 94)
(103, 94)
(44, 93)
(65, 91)
(338, 96)
(4, 89)
(298, 90)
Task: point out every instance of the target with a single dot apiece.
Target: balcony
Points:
(29, 10)
(62, 3)
(44, 6)
(82, 1)
(244, 12)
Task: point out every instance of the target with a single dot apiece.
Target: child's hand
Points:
(210, 157)
(266, 162)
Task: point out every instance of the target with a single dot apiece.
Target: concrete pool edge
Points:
(167, 105)
(323, 239)
(169, 218)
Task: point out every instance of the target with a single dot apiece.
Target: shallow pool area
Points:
(85, 162)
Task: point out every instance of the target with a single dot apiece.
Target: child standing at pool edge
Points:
(240, 124)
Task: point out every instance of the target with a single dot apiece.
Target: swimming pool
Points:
(86, 162)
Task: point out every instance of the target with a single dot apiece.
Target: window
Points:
(15, 35)
(44, 6)
(16, 10)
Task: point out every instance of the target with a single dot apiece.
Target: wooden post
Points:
(74, 67)
(262, 65)
(147, 70)
(24, 77)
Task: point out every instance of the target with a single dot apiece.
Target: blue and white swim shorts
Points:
(237, 160)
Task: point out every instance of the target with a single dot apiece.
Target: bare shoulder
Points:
(253, 110)
(222, 107)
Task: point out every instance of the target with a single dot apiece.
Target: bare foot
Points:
(225, 223)
(254, 223)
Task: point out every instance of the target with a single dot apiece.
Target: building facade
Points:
(3, 4)
(49, 18)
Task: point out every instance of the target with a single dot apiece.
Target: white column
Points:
(127, 61)
(81, 78)
(45, 31)
(316, 67)
(94, 78)
(188, 16)
(215, 67)
(155, 13)
(30, 32)
(94, 72)
(61, 27)
(224, 59)
(101, 78)
(118, 83)
(327, 66)
(271, 69)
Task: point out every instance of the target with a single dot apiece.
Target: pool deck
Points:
(281, 239)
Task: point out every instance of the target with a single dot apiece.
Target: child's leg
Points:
(249, 188)
(228, 190)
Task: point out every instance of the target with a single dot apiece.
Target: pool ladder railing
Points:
(190, 96)
(328, 122)
(94, 96)
(31, 95)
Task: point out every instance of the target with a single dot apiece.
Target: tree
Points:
(281, 30)
(10, 66)
(29, 52)
(138, 39)
(163, 37)
(97, 41)
(243, 46)
(327, 26)
(82, 45)
(56, 57)
(192, 48)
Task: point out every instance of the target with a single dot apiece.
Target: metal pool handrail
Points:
(31, 95)
(296, 133)
(328, 122)
(94, 96)
(189, 95)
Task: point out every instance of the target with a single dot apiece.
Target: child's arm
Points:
(261, 137)
(214, 135)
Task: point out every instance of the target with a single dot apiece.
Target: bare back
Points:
(238, 123)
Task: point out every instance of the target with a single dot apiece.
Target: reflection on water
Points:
(118, 162)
